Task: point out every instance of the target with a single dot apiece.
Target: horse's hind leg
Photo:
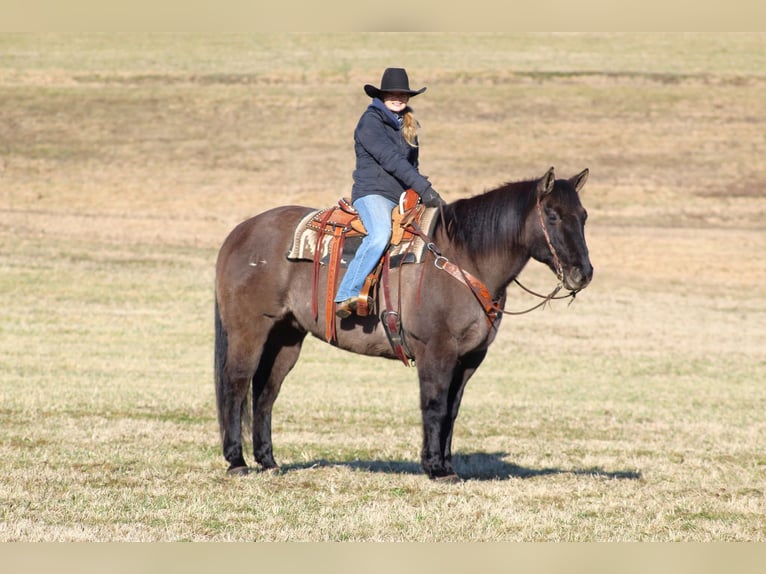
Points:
(238, 373)
(279, 357)
(237, 353)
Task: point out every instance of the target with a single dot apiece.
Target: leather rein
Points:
(493, 308)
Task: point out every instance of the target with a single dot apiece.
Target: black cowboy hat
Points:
(393, 80)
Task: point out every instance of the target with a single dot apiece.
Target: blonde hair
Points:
(410, 127)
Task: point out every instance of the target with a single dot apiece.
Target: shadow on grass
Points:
(470, 466)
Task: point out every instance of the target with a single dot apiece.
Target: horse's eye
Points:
(553, 217)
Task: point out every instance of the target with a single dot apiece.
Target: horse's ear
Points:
(579, 180)
(545, 183)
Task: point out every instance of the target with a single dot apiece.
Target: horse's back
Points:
(275, 224)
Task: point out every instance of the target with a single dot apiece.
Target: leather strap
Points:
(317, 260)
(332, 282)
(392, 325)
(367, 294)
(478, 288)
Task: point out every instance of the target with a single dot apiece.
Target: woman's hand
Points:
(431, 199)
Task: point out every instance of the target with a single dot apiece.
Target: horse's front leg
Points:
(464, 370)
(436, 378)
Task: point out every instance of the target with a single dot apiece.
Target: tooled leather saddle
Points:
(321, 237)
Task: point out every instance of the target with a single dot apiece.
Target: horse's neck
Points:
(496, 271)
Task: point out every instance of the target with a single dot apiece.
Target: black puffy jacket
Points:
(385, 163)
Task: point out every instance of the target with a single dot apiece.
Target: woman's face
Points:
(395, 101)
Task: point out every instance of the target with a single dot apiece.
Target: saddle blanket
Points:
(407, 251)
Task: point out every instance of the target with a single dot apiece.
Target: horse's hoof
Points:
(238, 471)
(272, 471)
(448, 479)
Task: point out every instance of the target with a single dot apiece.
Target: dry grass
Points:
(635, 414)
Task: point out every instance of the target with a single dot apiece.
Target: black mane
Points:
(490, 222)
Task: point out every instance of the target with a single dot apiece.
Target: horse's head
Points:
(557, 229)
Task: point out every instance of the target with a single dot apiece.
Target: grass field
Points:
(636, 414)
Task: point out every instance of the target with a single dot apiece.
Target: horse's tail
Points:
(221, 350)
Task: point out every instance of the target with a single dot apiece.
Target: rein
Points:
(493, 308)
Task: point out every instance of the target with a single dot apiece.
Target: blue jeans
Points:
(375, 212)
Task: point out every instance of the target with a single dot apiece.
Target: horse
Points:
(263, 306)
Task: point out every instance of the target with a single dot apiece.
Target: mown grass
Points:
(585, 446)
(636, 413)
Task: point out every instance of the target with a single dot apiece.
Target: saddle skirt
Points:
(342, 219)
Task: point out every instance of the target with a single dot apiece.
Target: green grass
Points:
(635, 414)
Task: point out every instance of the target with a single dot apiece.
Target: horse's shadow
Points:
(470, 466)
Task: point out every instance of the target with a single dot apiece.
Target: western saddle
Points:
(342, 221)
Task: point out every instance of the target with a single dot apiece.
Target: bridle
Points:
(556, 260)
(494, 307)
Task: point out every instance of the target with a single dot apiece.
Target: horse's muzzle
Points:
(578, 278)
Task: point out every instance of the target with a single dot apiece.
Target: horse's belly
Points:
(360, 335)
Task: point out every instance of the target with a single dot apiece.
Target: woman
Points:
(386, 146)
